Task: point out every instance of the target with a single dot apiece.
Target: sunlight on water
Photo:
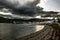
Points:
(39, 27)
(18, 30)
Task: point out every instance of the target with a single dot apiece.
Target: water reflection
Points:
(13, 31)
(39, 27)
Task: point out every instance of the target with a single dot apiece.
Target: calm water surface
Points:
(12, 31)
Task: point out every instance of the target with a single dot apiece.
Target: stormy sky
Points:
(22, 7)
(50, 5)
(17, 4)
(29, 6)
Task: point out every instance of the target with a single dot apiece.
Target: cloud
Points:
(29, 11)
(50, 5)
(19, 3)
(24, 7)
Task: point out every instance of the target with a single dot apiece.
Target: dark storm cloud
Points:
(24, 7)
(28, 11)
(19, 3)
